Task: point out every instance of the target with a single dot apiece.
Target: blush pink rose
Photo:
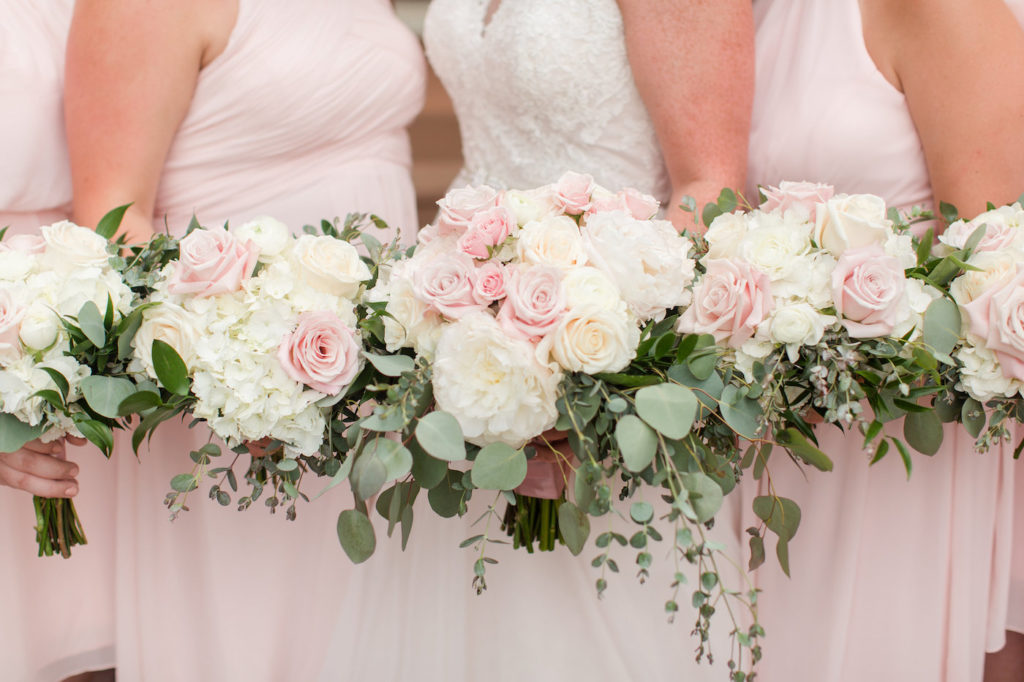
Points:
(731, 300)
(487, 230)
(445, 283)
(460, 205)
(24, 243)
(573, 192)
(11, 315)
(790, 195)
(212, 262)
(1000, 231)
(997, 317)
(322, 353)
(869, 289)
(490, 283)
(534, 301)
(641, 206)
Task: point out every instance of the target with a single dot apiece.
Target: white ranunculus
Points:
(40, 326)
(776, 251)
(996, 268)
(493, 384)
(647, 259)
(168, 323)
(554, 241)
(331, 265)
(798, 324)
(593, 340)
(725, 234)
(269, 235)
(851, 221)
(70, 246)
(981, 376)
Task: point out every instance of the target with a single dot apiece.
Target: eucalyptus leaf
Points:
(574, 525)
(942, 326)
(440, 435)
(780, 514)
(90, 321)
(973, 416)
(641, 512)
(499, 467)
(704, 494)
(923, 431)
(184, 483)
(104, 394)
(756, 552)
(743, 415)
(391, 365)
(397, 460)
(668, 408)
(368, 476)
(803, 449)
(428, 471)
(444, 499)
(637, 442)
(356, 535)
(339, 476)
(15, 433)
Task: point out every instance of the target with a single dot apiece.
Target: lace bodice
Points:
(542, 87)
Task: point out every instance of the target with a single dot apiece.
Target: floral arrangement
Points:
(63, 309)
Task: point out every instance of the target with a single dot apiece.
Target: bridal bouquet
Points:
(66, 318)
(253, 332)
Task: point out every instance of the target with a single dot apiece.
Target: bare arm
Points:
(693, 61)
(961, 67)
(131, 71)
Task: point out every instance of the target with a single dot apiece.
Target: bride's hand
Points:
(40, 469)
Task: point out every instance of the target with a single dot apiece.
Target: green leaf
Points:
(743, 415)
(397, 460)
(97, 433)
(908, 464)
(356, 535)
(668, 408)
(440, 435)
(51, 397)
(104, 394)
(710, 212)
(756, 552)
(499, 467)
(638, 442)
(574, 525)
(445, 500)
(339, 476)
(368, 476)
(780, 514)
(138, 402)
(628, 380)
(90, 321)
(428, 471)
(942, 326)
(641, 512)
(726, 200)
(109, 223)
(59, 380)
(383, 422)
(782, 552)
(949, 212)
(803, 449)
(705, 496)
(973, 416)
(391, 365)
(184, 483)
(14, 433)
(126, 334)
(170, 368)
(923, 431)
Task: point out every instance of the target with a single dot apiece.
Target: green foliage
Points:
(499, 467)
(170, 368)
(355, 532)
(441, 436)
(14, 434)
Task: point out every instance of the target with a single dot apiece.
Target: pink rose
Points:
(446, 284)
(573, 192)
(24, 243)
(731, 300)
(790, 195)
(487, 230)
(997, 317)
(11, 315)
(641, 206)
(534, 301)
(490, 283)
(868, 288)
(460, 205)
(212, 262)
(322, 353)
(1003, 229)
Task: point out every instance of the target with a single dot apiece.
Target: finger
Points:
(37, 486)
(76, 440)
(39, 465)
(55, 447)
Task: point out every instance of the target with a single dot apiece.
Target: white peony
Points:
(270, 236)
(493, 384)
(982, 378)
(329, 264)
(592, 340)
(776, 250)
(725, 234)
(554, 241)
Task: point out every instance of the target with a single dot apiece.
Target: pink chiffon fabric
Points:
(56, 615)
(302, 117)
(892, 579)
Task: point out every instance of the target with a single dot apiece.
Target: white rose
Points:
(590, 287)
(593, 340)
(552, 241)
(918, 297)
(493, 384)
(995, 269)
(269, 235)
(775, 251)
(40, 326)
(93, 284)
(725, 234)
(69, 246)
(851, 221)
(168, 323)
(15, 266)
(329, 264)
(530, 205)
(647, 259)
(411, 322)
(798, 324)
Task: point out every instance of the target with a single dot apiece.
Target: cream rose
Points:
(797, 324)
(459, 206)
(40, 326)
(590, 287)
(851, 221)
(593, 340)
(553, 241)
(529, 205)
(69, 246)
(725, 235)
(776, 251)
(446, 284)
(171, 324)
(330, 265)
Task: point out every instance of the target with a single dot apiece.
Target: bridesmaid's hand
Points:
(40, 469)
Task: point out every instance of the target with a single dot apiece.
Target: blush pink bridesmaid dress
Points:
(56, 615)
(892, 579)
(302, 117)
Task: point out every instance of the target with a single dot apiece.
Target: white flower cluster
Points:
(265, 323)
(805, 262)
(990, 298)
(44, 278)
(508, 290)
